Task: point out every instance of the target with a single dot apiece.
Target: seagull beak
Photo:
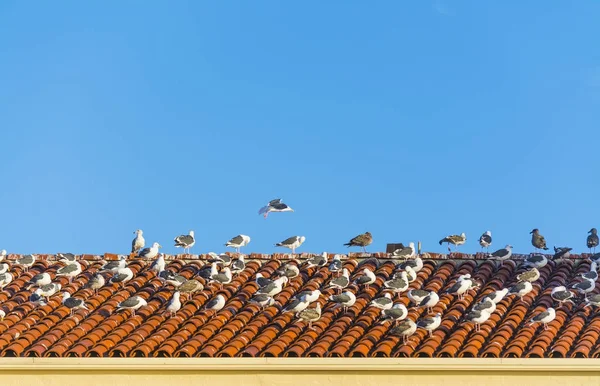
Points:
(160, 246)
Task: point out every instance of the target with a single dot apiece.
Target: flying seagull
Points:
(362, 241)
(134, 303)
(544, 317)
(593, 240)
(455, 240)
(537, 240)
(292, 243)
(73, 304)
(185, 241)
(502, 254)
(275, 205)
(138, 242)
(485, 240)
(238, 242)
(150, 253)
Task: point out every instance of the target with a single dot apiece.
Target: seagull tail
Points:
(545, 248)
(348, 244)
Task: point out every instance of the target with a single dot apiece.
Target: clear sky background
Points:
(411, 120)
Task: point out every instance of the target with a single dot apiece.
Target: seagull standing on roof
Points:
(150, 253)
(275, 205)
(406, 252)
(238, 242)
(188, 287)
(336, 265)
(397, 313)
(159, 264)
(461, 287)
(317, 260)
(311, 315)
(404, 329)
(3, 254)
(498, 295)
(478, 317)
(185, 241)
(274, 287)
(455, 240)
(96, 283)
(535, 260)
(26, 261)
(345, 299)
(216, 304)
(134, 303)
(593, 300)
(593, 240)
(485, 240)
(562, 252)
(66, 257)
(4, 268)
(521, 289)
(384, 303)
(297, 305)
(585, 287)
(138, 242)
(366, 279)
(429, 301)
(417, 295)
(399, 284)
(5, 279)
(561, 294)
(238, 265)
(289, 270)
(39, 280)
(592, 274)
(48, 290)
(292, 243)
(122, 276)
(340, 282)
(73, 304)
(70, 270)
(174, 304)
(224, 277)
(537, 240)
(501, 254)
(362, 241)
(263, 301)
(114, 265)
(532, 275)
(544, 317)
(430, 324)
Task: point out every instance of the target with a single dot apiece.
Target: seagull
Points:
(384, 303)
(478, 317)
(532, 275)
(5, 279)
(66, 257)
(366, 279)
(410, 274)
(593, 240)
(562, 252)
(399, 284)
(497, 296)
(37, 299)
(4, 268)
(593, 273)
(416, 264)
(485, 305)
(188, 287)
(292, 243)
(595, 257)
(340, 282)
(544, 317)
(26, 261)
(429, 301)
(122, 276)
(309, 296)
(593, 300)
(485, 240)
(345, 299)
(223, 259)
(430, 324)
(502, 254)
(537, 240)
(185, 241)
(263, 300)
(48, 290)
(461, 287)
(362, 241)
(238, 242)
(311, 315)
(224, 277)
(96, 283)
(417, 295)
(238, 265)
(296, 305)
(262, 281)
(585, 286)
(115, 265)
(216, 304)
(535, 260)
(171, 278)
(406, 252)
(3, 254)
(174, 304)
(397, 313)
(336, 264)
(39, 280)
(317, 260)
(289, 270)
(159, 264)
(138, 242)
(73, 304)
(561, 294)
(70, 270)
(275, 205)
(150, 253)
(455, 240)
(273, 288)
(521, 289)
(405, 329)
(134, 303)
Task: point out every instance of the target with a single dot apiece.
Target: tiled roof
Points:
(241, 328)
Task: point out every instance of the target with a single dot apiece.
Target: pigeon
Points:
(406, 252)
(384, 303)
(561, 294)
(134, 303)
(521, 289)
(73, 304)
(455, 240)
(362, 241)
(48, 290)
(532, 275)
(289, 270)
(310, 315)
(159, 264)
(397, 313)
(417, 295)
(216, 304)
(478, 317)
(275, 205)
(39, 280)
(138, 242)
(122, 276)
(562, 252)
(26, 261)
(336, 264)
(366, 279)
(502, 254)
(317, 260)
(70, 270)
(405, 329)
(537, 240)
(185, 241)
(263, 300)
(238, 242)
(593, 240)
(292, 243)
(498, 295)
(535, 260)
(399, 284)
(430, 324)
(429, 301)
(485, 240)
(345, 299)
(96, 283)
(238, 265)
(174, 304)
(593, 272)
(340, 282)
(544, 317)
(150, 253)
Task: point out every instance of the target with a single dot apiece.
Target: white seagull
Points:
(134, 303)
(73, 304)
(238, 242)
(150, 253)
(292, 243)
(185, 241)
(138, 242)
(544, 317)
(275, 205)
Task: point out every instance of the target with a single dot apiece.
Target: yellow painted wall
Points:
(301, 372)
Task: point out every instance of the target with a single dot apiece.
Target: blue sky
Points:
(409, 120)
